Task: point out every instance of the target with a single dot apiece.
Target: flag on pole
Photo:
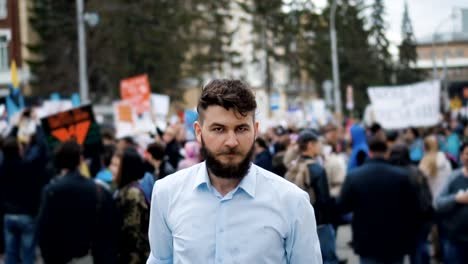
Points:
(14, 75)
(15, 100)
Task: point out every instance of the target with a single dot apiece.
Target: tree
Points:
(168, 40)
(299, 33)
(407, 53)
(354, 50)
(267, 20)
(380, 44)
(55, 62)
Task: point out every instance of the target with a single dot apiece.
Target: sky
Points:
(425, 15)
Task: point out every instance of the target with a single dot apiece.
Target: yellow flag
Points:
(14, 75)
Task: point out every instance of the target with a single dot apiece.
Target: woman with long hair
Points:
(434, 165)
(133, 207)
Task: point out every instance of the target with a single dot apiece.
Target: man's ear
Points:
(256, 129)
(197, 126)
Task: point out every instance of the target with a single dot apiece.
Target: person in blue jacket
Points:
(360, 148)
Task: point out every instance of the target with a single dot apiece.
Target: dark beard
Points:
(227, 171)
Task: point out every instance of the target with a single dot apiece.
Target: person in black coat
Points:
(172, 146)
(77, 217)
(262, 155)
(385, 206)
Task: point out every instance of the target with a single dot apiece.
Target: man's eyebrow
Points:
(216, 124)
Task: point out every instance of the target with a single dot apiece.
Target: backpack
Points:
(299, 174)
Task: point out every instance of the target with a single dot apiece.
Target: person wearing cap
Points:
(226, 209)
(316, 180)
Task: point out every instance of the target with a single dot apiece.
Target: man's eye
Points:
(218, 129)
(243, 129)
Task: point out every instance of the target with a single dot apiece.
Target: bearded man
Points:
(226, 209)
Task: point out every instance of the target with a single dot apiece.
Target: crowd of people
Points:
(404, 192)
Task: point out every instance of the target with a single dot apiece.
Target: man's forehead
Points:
(219, 115)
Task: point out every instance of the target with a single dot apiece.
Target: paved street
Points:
(342, 247)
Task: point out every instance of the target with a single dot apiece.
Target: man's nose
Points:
(231, 141)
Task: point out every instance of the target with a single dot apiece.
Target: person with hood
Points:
(360, 148)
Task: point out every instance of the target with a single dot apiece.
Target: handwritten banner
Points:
(416, 105)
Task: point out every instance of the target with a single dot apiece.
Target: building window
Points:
(3, 9)
(3, 53)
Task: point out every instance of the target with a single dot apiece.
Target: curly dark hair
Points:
(230, 94)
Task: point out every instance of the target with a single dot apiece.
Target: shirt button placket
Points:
(220, 231)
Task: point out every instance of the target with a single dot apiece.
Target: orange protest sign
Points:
(137, 92)
(125, 113)
(77, 131)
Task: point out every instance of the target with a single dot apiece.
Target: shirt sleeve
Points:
(302, 245)
(160, 235)
(445, 201)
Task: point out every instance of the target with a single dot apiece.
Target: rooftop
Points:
(443, 37)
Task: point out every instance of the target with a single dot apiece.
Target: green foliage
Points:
(354, 51)
(407, 53)
(382, 58)
(168, 40)
(54, 64)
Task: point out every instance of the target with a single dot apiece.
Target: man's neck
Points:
(465, 171)
(222, 185)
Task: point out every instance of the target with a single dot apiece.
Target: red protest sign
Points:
(136, 90)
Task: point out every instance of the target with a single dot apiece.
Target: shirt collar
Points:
(248, 183)
(202, 177)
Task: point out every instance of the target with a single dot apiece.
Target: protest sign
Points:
(77, 123)
(124, 119)
(136, 91)
(52, 107)
(160, 104)
(415, 105)
(128, 123)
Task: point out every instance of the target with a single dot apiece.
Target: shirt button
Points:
(221, 230)
(219, 260)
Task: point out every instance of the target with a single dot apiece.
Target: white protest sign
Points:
(160, 104)
(144, 124)
(415, 105)
(317, 112)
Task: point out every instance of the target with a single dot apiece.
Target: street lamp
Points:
(434, 66)
(83, 72)
(92, 19)
(334, 55)
(445, 96)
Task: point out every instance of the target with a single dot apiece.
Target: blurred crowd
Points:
(73, 207)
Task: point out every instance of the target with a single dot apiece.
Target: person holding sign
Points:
(227, 210)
